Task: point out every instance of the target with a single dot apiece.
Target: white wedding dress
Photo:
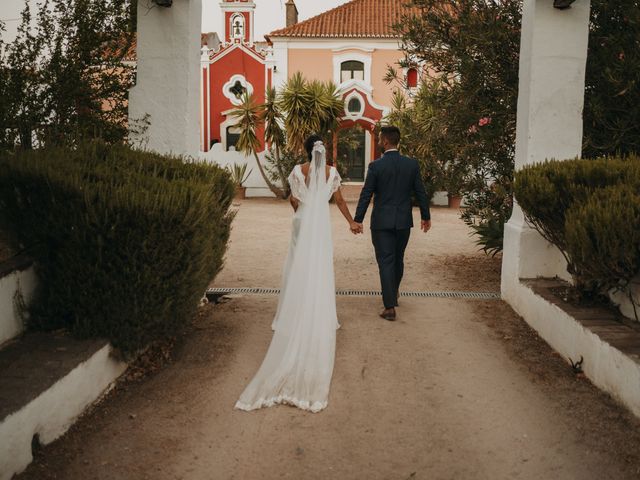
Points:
(298, 366)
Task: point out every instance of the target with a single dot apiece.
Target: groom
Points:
(392, 178)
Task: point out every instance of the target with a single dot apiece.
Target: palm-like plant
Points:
(239, 173)
(273, 133)
(288, 117)
(273, 119)
(334, 110)
(295, 100)
(249, 117)
(309, 107)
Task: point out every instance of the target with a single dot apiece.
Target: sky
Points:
(269, 14)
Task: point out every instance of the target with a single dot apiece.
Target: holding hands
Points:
(357, 228)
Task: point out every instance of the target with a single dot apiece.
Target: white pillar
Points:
(553, 54)
(168, 78)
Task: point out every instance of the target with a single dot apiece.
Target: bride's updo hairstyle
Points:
(309, 142)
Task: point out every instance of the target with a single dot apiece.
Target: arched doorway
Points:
(351, 154)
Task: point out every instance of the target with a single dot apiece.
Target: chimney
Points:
(292, 13)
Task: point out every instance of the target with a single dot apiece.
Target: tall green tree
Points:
(612, 88)
(66, 76)
(462, 120)
(21, 87)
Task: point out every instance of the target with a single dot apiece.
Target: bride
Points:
(298, 366)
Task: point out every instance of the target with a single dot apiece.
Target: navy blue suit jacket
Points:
(391, 180)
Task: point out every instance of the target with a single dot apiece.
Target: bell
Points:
(562, 4)
(163, 3)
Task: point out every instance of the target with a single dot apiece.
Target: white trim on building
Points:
(339, 59)
(226, 88)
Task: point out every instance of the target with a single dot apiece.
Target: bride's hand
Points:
(356, 228)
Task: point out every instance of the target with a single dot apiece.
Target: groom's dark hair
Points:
(309, 142)
(392, 134)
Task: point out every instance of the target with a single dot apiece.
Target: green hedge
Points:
(125, 241)
(589, 209)
(603, 238)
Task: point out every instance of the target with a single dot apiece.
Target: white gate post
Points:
(553, 54)
(168, 77)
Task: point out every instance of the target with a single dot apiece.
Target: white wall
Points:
(18, 282)
(168, 79)
(606, 366)
(628, 300)
(54, 411)
(256, 186)
(553, 55)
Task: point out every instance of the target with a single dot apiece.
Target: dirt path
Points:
(455, 389)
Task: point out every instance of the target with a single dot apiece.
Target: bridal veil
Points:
(298, 366)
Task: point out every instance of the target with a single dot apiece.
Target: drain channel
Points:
(217, 292)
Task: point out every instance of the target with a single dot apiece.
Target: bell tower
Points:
(238, 20)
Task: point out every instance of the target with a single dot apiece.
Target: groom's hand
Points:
(425, 225)
(356, 228)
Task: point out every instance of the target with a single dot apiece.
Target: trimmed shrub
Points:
(125, 242)
(585, 208)
(603, 239)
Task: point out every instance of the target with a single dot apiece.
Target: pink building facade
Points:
(352, 45)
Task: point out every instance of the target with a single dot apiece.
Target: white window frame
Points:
(363, 104)
(243, 81)
(351, 56)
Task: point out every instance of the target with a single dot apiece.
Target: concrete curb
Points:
(52, 413)
(606, 365)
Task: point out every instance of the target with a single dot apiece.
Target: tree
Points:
(463, 116)
(612, 88)
(308, 107)
(65, 77)
(300, 109)
(274, 136)
(21, 92)
(470, 50)
(249, 117)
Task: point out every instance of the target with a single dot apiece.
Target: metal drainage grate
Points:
(217, 292)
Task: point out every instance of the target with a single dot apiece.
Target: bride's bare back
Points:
(305, 167)
(337, 196)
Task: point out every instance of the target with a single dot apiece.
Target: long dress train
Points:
(298, 366)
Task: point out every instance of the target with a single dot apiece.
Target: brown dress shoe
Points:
(389, 314)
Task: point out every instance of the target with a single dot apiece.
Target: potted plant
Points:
(239, 175)
(454, 177)
(454, 200)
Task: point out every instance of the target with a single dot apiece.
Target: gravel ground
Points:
(455, 389)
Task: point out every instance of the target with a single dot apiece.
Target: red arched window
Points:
(412, 78)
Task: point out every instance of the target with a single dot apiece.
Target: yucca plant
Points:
(249, 117)
(295, 99)
(288, 118)
(308, 107)
(274, 134)
(239, 173)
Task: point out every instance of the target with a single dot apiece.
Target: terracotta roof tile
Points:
(355, 19)
(130, 55)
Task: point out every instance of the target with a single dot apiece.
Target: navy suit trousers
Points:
(390, 246)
